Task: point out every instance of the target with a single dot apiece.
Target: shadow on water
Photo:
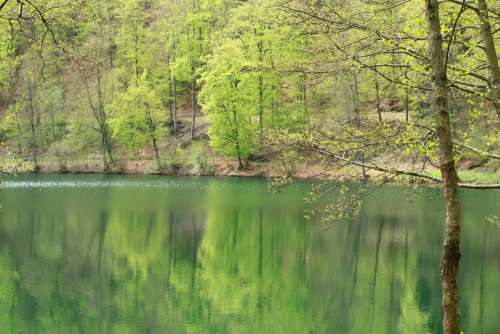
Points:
(191, 255)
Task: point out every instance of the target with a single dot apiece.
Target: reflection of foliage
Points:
(210, 258)
(250, 289)
(494, 220)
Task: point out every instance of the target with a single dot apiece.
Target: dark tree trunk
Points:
(19, 134)
(260, 47)
(261, 112)
(174, 91)
(491, 53)
(451, 245)
(357, 107)
(377, 98)
(174, 102)
(101, 118)
(194, 103)
(152, 133)
(407, 106)
(33, 125)
(357, 120)
(237, 139)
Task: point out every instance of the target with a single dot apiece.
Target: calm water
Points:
(92, 254)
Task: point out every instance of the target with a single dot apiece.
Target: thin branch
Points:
(452, 35)
(462, 144)
(473, 8)
(397, 172)
(3, 4)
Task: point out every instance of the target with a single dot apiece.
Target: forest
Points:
(220, 87)
(374, 91)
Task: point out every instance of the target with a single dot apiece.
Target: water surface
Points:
(114, 254)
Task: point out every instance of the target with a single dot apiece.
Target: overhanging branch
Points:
(392, 171)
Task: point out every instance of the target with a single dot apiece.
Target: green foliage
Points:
(228, 101)
(177, 159)
(136, 115)
(107, 73)
(199, 158)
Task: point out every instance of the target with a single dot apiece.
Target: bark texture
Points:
(451, 244)
(490, 51)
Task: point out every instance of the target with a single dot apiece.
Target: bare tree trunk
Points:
(407, 106)
(19, 133)
(103, 121)
(194, 103)
(169, 76)
(357, 119)
(377, 98)
(304, 97)
(260, 47)
(451, 245)
(136, 51)
(357, 107)
(152, 133)
(236, 132)
(157, 151)
(174, 102)
(237, 139)
(491, 53)
(192, 57)
(261, 112)
(174, 91)
(104, 156)
(33, 126)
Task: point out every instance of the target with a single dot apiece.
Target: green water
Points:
(93, 254)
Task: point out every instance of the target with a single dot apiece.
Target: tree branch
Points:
(3, 4)
(396, 172)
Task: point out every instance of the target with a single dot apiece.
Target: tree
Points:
(349, 37)
(225, 99)
(490, 52)
(451, 243)
(136, 117)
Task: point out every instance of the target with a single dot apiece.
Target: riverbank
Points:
(229, 168)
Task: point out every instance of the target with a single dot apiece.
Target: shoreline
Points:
(220, 168)
(228, 168)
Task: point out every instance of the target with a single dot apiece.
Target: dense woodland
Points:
(389, 88)
(109, 82)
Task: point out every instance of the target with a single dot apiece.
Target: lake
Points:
(118, 254)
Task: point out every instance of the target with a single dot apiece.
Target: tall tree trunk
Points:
(152, 126)
(491, 53)
(304, 97)
(136, 54)
(157, 152)
(194, 103)
(236, 136)
(174, 102)
(261, 112)
(357, 107)
(407, 105)
(33, 125)
(19, 135)
(357, 118)
(174, 90)
(451, 245)
(236, 130)
(377, 98)
(104, 155)
(103, 122)
(169, 76)
(192, 57)
(260, 47)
